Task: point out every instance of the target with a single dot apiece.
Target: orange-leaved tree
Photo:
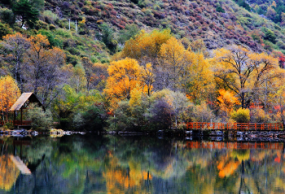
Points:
(9, 93)
(227, 101)
(124, 76)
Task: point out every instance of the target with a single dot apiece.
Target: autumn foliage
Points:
(9, 94)
(9, 173)
(124, 76)
(157, 81)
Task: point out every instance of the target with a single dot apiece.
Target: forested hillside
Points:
(143, 64)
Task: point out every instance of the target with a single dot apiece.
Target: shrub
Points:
(63, 33)
(7, 16)
(39, 24)
(8, 125)
(94, 118)
(258, 115)
(220, 9)
(50, 17)
(241, 115)
(161, 113)
(41, 120)
(65, 5)
(52, 40)
(268, 45)
(270, 36)
(52, 27)
(4, 30)
(281, 44)
(243, 4)
(202, 113)
(122, 119)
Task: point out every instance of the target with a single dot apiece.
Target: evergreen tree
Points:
(107, 36)
(25, 10)
(269, 35)
(220, 9)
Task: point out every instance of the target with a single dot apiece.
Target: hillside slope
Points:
(218, 22)
(190, 19)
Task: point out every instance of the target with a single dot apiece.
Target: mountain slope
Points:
(190, 19)
(218, 22)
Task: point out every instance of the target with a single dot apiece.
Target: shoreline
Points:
(216, 135)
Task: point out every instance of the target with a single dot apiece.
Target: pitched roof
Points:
(21, 101)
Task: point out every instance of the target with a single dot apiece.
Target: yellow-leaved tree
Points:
(124, 76)
(148, 77)
(199, 83)
(146, 45)
(136, 97)
(243, 72)
(173, 63)
(9, 93)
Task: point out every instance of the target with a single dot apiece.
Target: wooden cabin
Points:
(21, 105)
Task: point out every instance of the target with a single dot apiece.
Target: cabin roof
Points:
(29, 96)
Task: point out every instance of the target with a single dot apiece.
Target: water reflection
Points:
(97, 164)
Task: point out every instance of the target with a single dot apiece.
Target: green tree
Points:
(243, 4)
(7, 16)
(38, 4)
(26, 11)
(269, 35)
(94, 118)
(107, 36)
(4, 30)
(41, 120)
(129, 32)
(220, 9)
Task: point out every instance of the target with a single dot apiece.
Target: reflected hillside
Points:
(110, 164)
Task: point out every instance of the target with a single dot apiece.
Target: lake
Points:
(140, 164)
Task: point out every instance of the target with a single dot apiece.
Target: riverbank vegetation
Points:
(134, 79)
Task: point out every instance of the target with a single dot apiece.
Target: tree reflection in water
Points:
(110, 164)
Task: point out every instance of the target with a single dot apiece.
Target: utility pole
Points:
(69, 24)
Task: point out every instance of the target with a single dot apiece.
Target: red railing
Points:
(235, 126)
(234, 145)
(22, 123)
(18, 123)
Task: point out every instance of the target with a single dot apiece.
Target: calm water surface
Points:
(108, 164)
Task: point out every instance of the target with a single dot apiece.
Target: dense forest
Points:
(143, 64)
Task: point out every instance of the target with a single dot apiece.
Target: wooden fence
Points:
(234, 145)
(234, 126)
